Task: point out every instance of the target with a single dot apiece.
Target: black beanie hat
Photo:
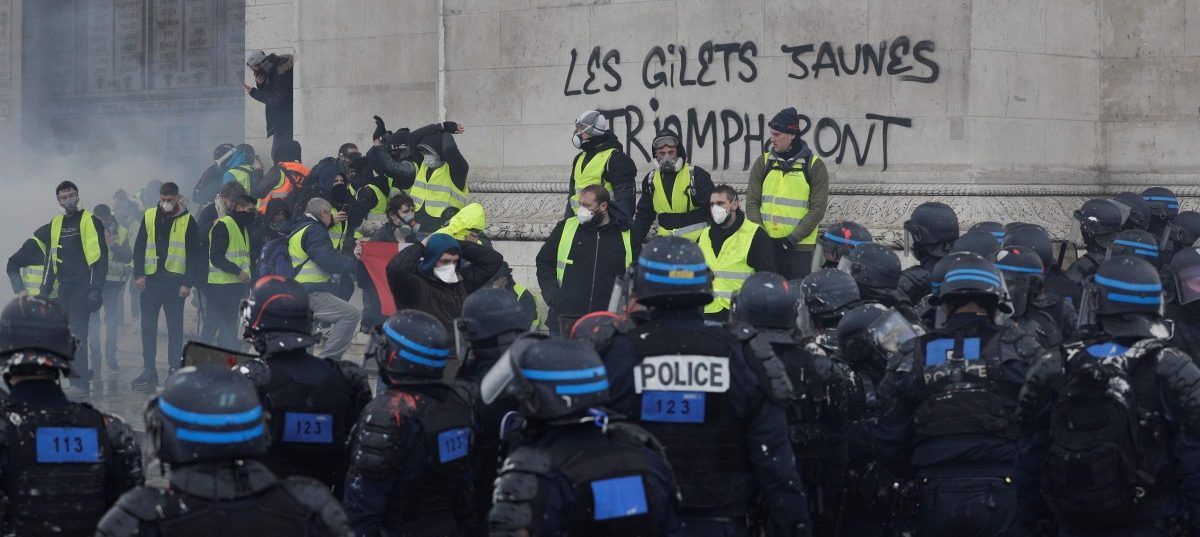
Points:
(787, 121)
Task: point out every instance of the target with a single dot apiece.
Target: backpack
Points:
(1095, 472)
(208, 185)
(275, 259)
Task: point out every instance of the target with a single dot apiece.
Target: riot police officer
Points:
(1100, 221)
(836, 240)
(1050, 319)
(1183, 231)
(1164, 207)
(1184, 307)
(876, 270)
(953, 394)
(208, 424)
(725, 438)
(1139, 211)
(313, 401)
(578, 470)
(64, 463)
(412, 452)
(1137, 243)
(929, 235)
(980, 243)
(1111, 438)
(806, 381)
(491, 320)
(995, 229)
(823, 297)
(873, 503)
(1056, 283)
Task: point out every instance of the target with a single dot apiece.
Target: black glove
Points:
(380, 130)
(94, 301)
(450, 127)
(785, 243)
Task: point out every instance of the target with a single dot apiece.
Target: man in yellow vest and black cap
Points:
(74, 258)
(734, 248)
(228, 273)
(675, 193)
(787, 195)
(581, 259)
(168, 261)
(601, 161)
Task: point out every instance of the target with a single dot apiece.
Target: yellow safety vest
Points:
(241, 174)
(119, 271)
(592, 174)
(570, 226)
(238, 252)
(520, 290)
(729, 268)
(176, 245)
(337, 235)
(32, 276)
(88, 236)
(435, 193)
(785, 199)
(310, 272)
(680, 201)
(378, 212)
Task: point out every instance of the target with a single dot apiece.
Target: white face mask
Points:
(719, 214)
(168, 206)
(446, 273)
(584, 215)
(576, 141)
(431, 161)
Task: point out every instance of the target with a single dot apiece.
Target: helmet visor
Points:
(461, 345)
(818, 257)
(908, 241)
(1126, 210)
(1187, 284)
(1018, 291)
(805, 327)
(495, 382)
(890, 331)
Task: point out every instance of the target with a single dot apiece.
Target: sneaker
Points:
(148, 379)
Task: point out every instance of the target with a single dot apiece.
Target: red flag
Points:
(375, 256)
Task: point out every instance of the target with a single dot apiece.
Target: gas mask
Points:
(70, 203)
(670, 163)
(431, 161)
(447, 273)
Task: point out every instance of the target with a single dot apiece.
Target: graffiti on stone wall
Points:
(728, 138)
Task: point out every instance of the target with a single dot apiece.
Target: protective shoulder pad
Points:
(466, 390)
(257, 371)
(1026, 344)
(516, 488)
(1039, 384)
(776, 383)
(354, 375)
(742, 331)
(528, 460)
(634, 434)
(121, 435)
(145, 504)
(315, 496)
(1181, 376)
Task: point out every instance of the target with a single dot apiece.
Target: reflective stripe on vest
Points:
(33, 276)
(785, 199)
(284, 186)
(680, 202)
(118, 271)
(237, 252)
(89, 238)
(729, 268)
(592, 174)
(433, 194)
(337, 235)
(241, 174)
(310, 272)
(378, 213)
(520, 290)
(176, 262)
(566, 242)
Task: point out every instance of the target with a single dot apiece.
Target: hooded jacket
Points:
(621, 173)
(470, 217)
(646, 215)
(818, 195)
(413, 284)
(276, 93)
(319, 247)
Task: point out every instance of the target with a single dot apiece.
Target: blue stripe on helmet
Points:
(1147, 253)
(577, 389)
(977, 272)
(570, 374)
(233, 437)
(421, 359)
(1014, 268)
(842, 240)
(1134, 299)
(698, 267)
(399, 338)
(1000, 235)
(1128, 286)
(1136, 244)
(972, 277)
(1172, 205)
(1160, 198)
(213, 420)
(699, 280)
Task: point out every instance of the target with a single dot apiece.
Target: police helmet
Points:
(491, 311)
(1023, 274)
(1185, 229)
(973, 278)
(671, 273)
(410, 344)
(206, 413)
(995, 229)
(1135, 242)
(1185, 271)
(549, 377)
(1164, 204)
(765, 301)
(826, 294)
(1139, 210)
(836, 240)
(872, 265)
(1124, 298)
(1099, 220)
(1032, 237)
(981, 243)
(869, 333)
(277, 316)
(932, 227)
(34, 333)
(596, 329)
